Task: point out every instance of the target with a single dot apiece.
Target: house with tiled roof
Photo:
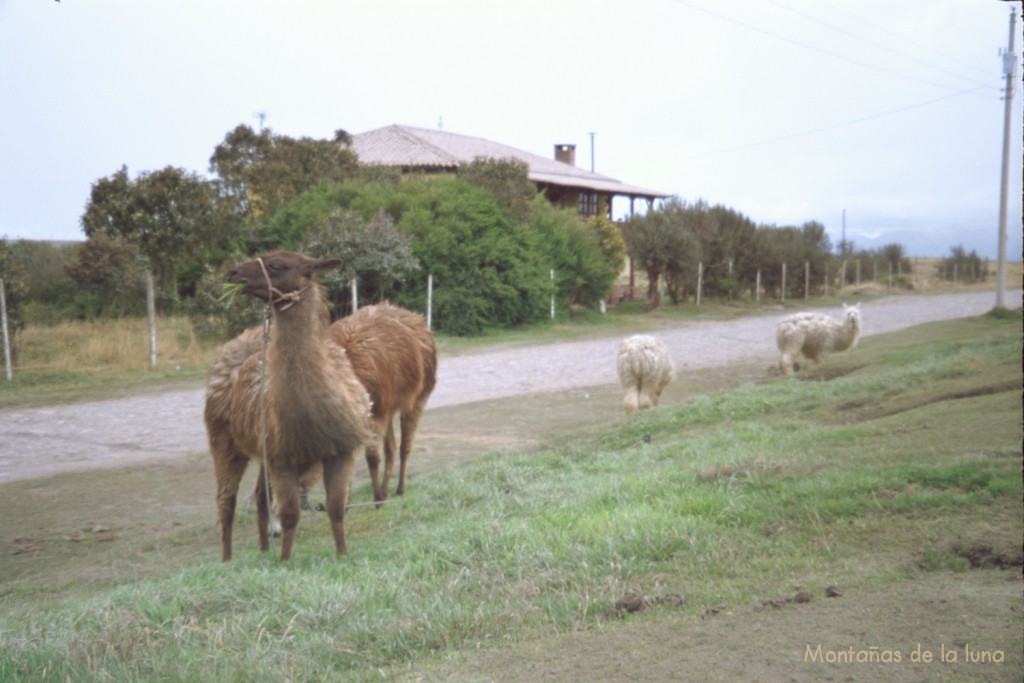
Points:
(421, 150)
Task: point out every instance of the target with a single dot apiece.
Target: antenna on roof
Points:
(440, 123)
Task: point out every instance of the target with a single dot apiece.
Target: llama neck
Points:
(297, 337)
(848, 334)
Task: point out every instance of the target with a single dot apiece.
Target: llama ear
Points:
(325, 265)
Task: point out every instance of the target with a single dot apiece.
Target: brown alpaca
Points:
(313, 411)
(393, 354)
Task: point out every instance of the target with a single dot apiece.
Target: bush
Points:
(217, 315)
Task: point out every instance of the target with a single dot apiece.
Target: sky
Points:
(881, 120)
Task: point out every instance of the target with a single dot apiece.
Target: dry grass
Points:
(924, 276)
(105, 345)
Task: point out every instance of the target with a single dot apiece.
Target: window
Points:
(588, 204)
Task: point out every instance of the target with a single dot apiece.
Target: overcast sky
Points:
(787, 111)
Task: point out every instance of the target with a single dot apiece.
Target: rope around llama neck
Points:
(263, 407)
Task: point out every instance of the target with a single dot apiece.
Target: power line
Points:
(915, 43)
(877, 45)
(822, 129)
(813, 48)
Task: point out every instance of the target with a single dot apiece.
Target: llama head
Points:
(279, 276)
(851, 315)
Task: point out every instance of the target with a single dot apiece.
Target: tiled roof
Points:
(437, 150)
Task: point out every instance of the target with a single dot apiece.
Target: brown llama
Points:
(393, 353)
(307, 411)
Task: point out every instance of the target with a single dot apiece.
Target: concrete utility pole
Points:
(1009, 66)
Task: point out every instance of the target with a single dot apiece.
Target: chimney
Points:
(566, 154)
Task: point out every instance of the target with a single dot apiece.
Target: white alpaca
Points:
(645, 369)
(812, 335)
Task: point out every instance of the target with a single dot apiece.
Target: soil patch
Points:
(941, 626)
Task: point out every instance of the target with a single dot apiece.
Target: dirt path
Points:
(40, 441)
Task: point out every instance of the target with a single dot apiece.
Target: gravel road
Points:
(36, 442)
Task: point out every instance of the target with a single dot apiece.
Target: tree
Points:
(736, 252)
(259, 173)
(48, 289)
(108, 278)
(608, 260)
(485, 266)
(586, 257)
(961, 266)
(664, 244)
(12, 274)
(372, 251)
(507, 179)
(168, 214)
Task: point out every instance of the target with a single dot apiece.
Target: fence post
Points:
(890, 275)
(7, 339)
(700, 279)
(355, 296)
(151, 317)
(757, 287)
(430, 298)
(807, 280)
(552, 293)
(783, 282)
(858, 272)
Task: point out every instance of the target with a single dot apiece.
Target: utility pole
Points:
(842, 244)
(1009, 66)
(591, 151)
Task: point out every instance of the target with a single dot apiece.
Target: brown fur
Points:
(393, 354)
(316, 410)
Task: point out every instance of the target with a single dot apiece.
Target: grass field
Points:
(584, 539)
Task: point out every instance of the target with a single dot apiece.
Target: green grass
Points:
(880, 464)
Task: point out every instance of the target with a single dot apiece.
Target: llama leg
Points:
(229, 470)
(388, 463)
(263, 511)
(786, 363)
(644, 400)
(307, 481)
(410, 423)
(389, 458)
(337, 479)
(285, 486)
(373, 463)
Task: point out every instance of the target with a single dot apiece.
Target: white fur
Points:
(645, 369)
(813, 335)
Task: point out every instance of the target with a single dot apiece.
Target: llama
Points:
(219, 384)
(813, 335)
(645, 369)
(393, 353)
(308, 410)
